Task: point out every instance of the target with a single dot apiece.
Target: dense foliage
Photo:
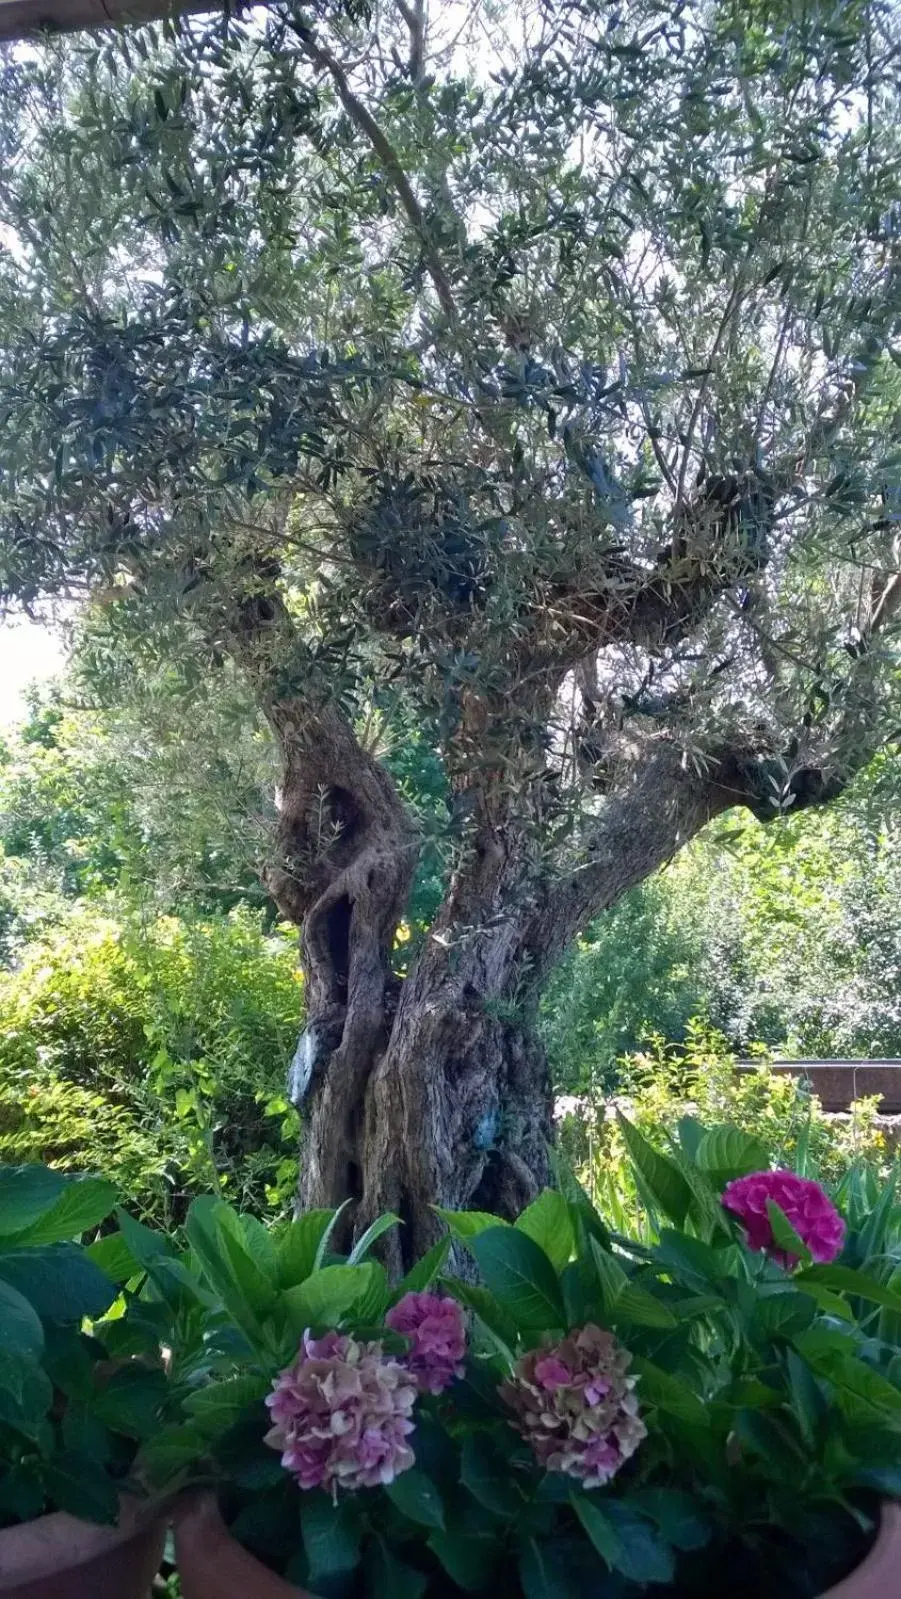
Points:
(154, 1052)
(786, 936)
(714, 1406)
(698, 1078)
(70, 1421)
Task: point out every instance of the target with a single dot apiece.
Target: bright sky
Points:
(29, 652)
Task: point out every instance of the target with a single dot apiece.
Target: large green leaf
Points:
(637, 1307)
(326, 1238)
(217, 1240)
(416, 1497)
(495, 1317)
(131, 1401)
(114, 1258)
(808, 1399)
(82, 1204)
(467, 1224)
(725, 1152)
(600, 1529)
(662, 1176)
(540, 1572)
(549, 1222)
(154, 1253)
(21, 1332)
(643, 1556)
(874, 1232)
(331, 1536)
(847, 1280)
(297, 1245)
(146, 1244)
(624, 1300)
(76, 1483)
(696, 1263)
(26, 1393)
(423, 1274)
(170, 1451)
(329, 1295)
(486, 1473)
(784, 1233)
(469, 1558)
(676, 1514)
(520, 1275)
(59, 1281)
(390, 1578)
(219, 1405)
(260, 1246)
(586, 1222)
(857, 1387)
(782, 1314)
(610, 1274)
(373, 1233)
(26, 1194)
(669, 1393)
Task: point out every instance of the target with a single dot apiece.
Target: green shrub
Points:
(667, 1081)
(715, 1412)
(155, 1053)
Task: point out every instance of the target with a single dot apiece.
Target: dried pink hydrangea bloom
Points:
(575, 1406)
(810, 1211)
(342, 1414)
(436, 1329)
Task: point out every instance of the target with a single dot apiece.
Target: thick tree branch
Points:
(720, 541)
(666, 795)
(415, 19)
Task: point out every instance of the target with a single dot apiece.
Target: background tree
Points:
(787, 936)
(533, 380)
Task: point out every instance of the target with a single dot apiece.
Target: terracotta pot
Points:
(212, 1564)
(59, 1557)
(879, 1577)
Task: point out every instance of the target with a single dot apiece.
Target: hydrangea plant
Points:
(547, 1409)
(74, 1404)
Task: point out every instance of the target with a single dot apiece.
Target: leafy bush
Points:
(694, 1412)
(156, 1054)
(70, 1422)
(636, 969)
(668, 1081)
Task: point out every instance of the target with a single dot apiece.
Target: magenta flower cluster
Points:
(809, 1210)
(436, 1329)
(575, 1406)
(342, 1414)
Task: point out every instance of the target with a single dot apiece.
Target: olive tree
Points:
(527, 371)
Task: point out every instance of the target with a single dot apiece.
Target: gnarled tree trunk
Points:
(431, 1090)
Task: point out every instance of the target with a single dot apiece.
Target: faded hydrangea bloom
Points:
(575, 1406)
(436, 1329)
(810, 1211)
(342, 1414)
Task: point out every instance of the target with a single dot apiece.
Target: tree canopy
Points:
(526, 372)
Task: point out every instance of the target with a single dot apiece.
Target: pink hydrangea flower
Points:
(436, 1329)
(575, 1406)
(810, 1211)
(341, 1414)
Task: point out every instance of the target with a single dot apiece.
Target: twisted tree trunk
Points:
(416, 1092)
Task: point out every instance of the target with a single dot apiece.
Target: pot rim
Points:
(59, 1541)
(882, 1563)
